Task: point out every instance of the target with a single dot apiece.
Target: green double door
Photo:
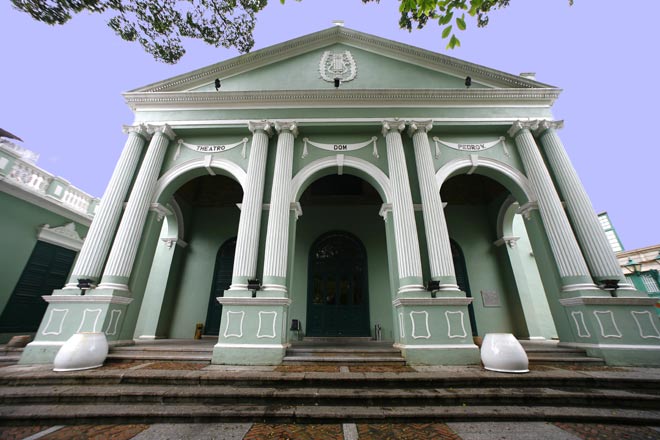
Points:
(338, 294)
(224, 265)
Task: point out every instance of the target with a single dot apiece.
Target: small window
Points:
(650, 283)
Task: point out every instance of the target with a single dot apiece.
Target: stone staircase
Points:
(35, 395)
(548, 352)
(342, 351)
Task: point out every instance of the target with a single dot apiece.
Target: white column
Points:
(435, 225)
(403, 214)
(277, 235)
(124, 249)
(249, 224)
(568, 256)
(595, 247)
(94, 251)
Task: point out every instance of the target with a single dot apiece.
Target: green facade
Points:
(279, 157)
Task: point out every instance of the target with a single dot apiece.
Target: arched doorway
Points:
(338, 294)
(224, 264)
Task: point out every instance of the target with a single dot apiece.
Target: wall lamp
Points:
(433, 286)
(217, 84)
(337, 82)
(254, 285)
(468, 81)
(634, 267)
(609, 284)
(85, 284)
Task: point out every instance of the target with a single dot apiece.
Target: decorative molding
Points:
(580, 325)
(425, 324)
(169, 241)
(64, 236)
(47, 330)
(597, 314)
(160, 210)
(416, 56)
(510, 241)
(258, 301)
(519, 126)
(92, 299)
(289, 126)
(261, 319)
(164, 129)
(402, 329)
(390, 125)
(463, 334)
(526, 209)
(229, 319)
(140, 129)
(265, 126)
(546, 125)
(84, 319)
(440, 302)
(655, 334)
(113, 323)
(424, 126)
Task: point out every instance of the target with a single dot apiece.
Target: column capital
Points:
(393, 125)
(546, 125)
(264, 126)
(415, 126)
(289, 126)
(165, 130)
(519, 126)
(140, 129)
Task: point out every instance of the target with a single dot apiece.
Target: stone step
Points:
(564, 359)
(160, 356)
(393, 397)
(201, 413)
(430, 378)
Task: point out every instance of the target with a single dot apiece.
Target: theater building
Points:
(348, 183)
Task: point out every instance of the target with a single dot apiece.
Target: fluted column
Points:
(94, 251)
(437, 236)
(568, 256)
(124, 249)
(403, 214)
(249, 224)
(596, 249)
(277, 234)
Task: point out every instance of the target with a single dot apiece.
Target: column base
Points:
(252, 331)
(621, 331)
(69, 314)
(435, 331)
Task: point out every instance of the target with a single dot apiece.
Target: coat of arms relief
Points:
(337, 65)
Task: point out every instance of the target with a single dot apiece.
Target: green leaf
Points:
(453, 42)
(446, 32)
(445, 19)
(460, 22)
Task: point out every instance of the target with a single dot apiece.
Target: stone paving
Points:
(371, 431)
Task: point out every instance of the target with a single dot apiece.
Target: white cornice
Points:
(339, 98)
(392, 49)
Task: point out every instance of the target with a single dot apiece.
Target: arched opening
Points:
(484, 260)
(185, 271)
(337, 300)
(340, 258)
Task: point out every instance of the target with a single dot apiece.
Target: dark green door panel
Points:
(45, 271)
(462, 280)
(224, 265)
(338, 295)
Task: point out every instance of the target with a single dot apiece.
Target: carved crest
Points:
(337, 65)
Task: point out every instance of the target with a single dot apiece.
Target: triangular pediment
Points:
(362, 61)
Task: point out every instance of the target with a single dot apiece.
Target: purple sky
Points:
(61, 86)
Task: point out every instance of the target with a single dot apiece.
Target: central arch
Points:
(338, 293)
